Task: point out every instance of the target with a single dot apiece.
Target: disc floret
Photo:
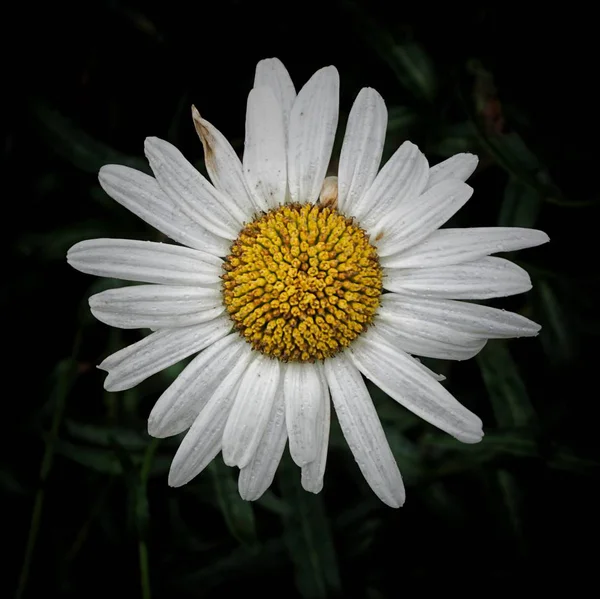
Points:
(302, 282)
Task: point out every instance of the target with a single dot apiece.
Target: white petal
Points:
(134, 364)
(189, 189)
(179, 405)
(481, 279)
(402, 179)
(145, 261)
(264, 149)
(250, 414)
(223, 165)
(142, 195)
(459, 166)
(312, 474)
(362, 148)
(395, 373)
(418, 217)
(313, 122)
(304, 394)
(271, 73)
(156, 306)
(462, 316)
(134, 319)
(204, 440)
(438, 377)
(257, 476)
(387, 333)
(454, 246)
(419, 336)
(363, 431)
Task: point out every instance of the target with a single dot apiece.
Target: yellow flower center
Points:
(301, 282)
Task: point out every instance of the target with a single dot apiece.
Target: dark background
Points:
(87, 510)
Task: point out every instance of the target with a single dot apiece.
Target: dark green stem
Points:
(142, 545)
(65, 380)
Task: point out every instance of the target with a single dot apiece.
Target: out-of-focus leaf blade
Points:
(507, 148)
(238, 514)
(308, 538)
(507, 391)
(511, 496)
(400, 119)
(454, 139)
(140, 495)
(269, 501)
(399, 418)
(54, 245)
(408, 60)
(106, 461)
(406, 453)
(263, 559)
(401, 123)
(172, 372)
(106, 436)
(507, 443)
(412, 66)
(76, 146)
(445, 503)
(360, 539)
(10, 484)
(99, 460)
(521, 205)
(557, 335)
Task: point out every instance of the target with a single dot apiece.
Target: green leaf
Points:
(521, 205)
(400, 119)
(359, 540)
(507, 148)
(454, 139)
(107, 436)
(438, 498)
(255, 561)
(269, 501)
(557, 335)
(140, 495)
(100, 460)
(161, 464)
(238, 514)
(494, 444)
(54, 245)
(76, 146)
(308, 537)
(9, 484)
(401, 123)
(170, 373)
(508, 394)
(350, 518)
(107, 461)
(511, 496)
(564, 458)
(391, 411)
(499, 444)
(513, 148)
(412, 66)
(512, 154)
(406, 453)
(408, 60)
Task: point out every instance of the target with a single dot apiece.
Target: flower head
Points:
(290, 286)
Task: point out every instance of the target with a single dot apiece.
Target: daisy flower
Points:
(288, 286)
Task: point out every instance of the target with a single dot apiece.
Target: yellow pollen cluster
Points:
(301, 282)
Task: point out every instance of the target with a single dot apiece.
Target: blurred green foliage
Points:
(88, 509)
